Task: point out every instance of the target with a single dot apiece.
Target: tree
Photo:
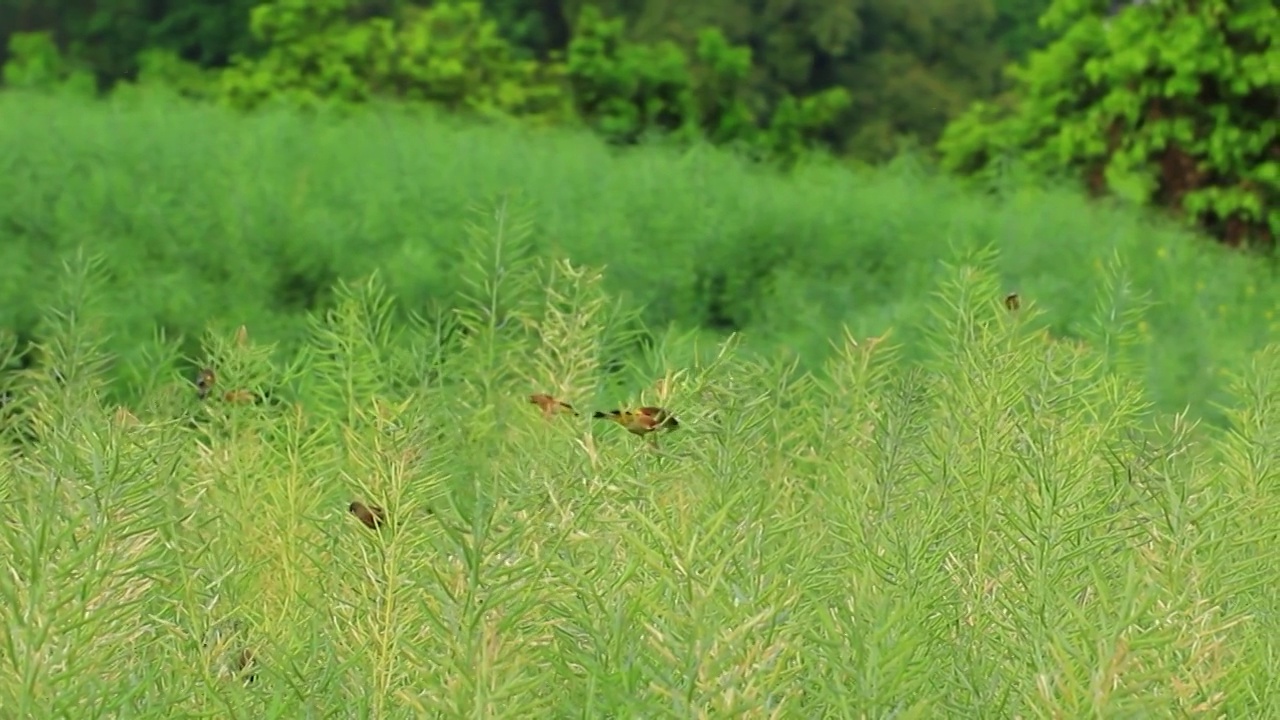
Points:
(908, 67)
(1175, 102)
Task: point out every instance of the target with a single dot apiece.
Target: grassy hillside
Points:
(1005, 532)
(208, 217)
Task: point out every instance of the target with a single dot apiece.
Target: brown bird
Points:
(371, 515)
(204, 382)
(642, 421)
(551, 406)
(1012, 301)
(242, 397)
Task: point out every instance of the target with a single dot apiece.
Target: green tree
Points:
(450, 54)
(907, 67)
(108, 36)
(1175, 103)
(917, 66)
(630, 90)
(1018, 29)
(540, 27)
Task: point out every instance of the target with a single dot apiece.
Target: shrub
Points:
(36, 63)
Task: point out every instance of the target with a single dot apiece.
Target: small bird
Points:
(551, 406)
(204, 382)
(1012, 301)
(241, 397)
(371, 515)
(642, 421)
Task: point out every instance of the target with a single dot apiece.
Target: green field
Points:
(1007, 533)
(205, 217)
(941, 511)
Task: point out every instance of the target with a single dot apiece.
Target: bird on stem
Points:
(205, 381)
(550, 405)
(207, 378)
(644, 421)
(371, 515)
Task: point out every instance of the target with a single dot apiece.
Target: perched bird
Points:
(551, 406)
(1012, 301)
(371, 515)
(204, 382)
(642, 421)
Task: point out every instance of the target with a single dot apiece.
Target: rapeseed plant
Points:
(1007, 530)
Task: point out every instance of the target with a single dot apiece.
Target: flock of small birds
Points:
(644, 421)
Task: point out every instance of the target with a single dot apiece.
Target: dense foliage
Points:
(207, 216)
(857, 76)
(1171, 103)
(1175, 103)
(1004, 532)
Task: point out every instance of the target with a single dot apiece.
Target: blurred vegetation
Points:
(864, 78)
(1175, 103)
(208, 216)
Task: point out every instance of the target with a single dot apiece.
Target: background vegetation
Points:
(214, 218)
(1172, 104)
